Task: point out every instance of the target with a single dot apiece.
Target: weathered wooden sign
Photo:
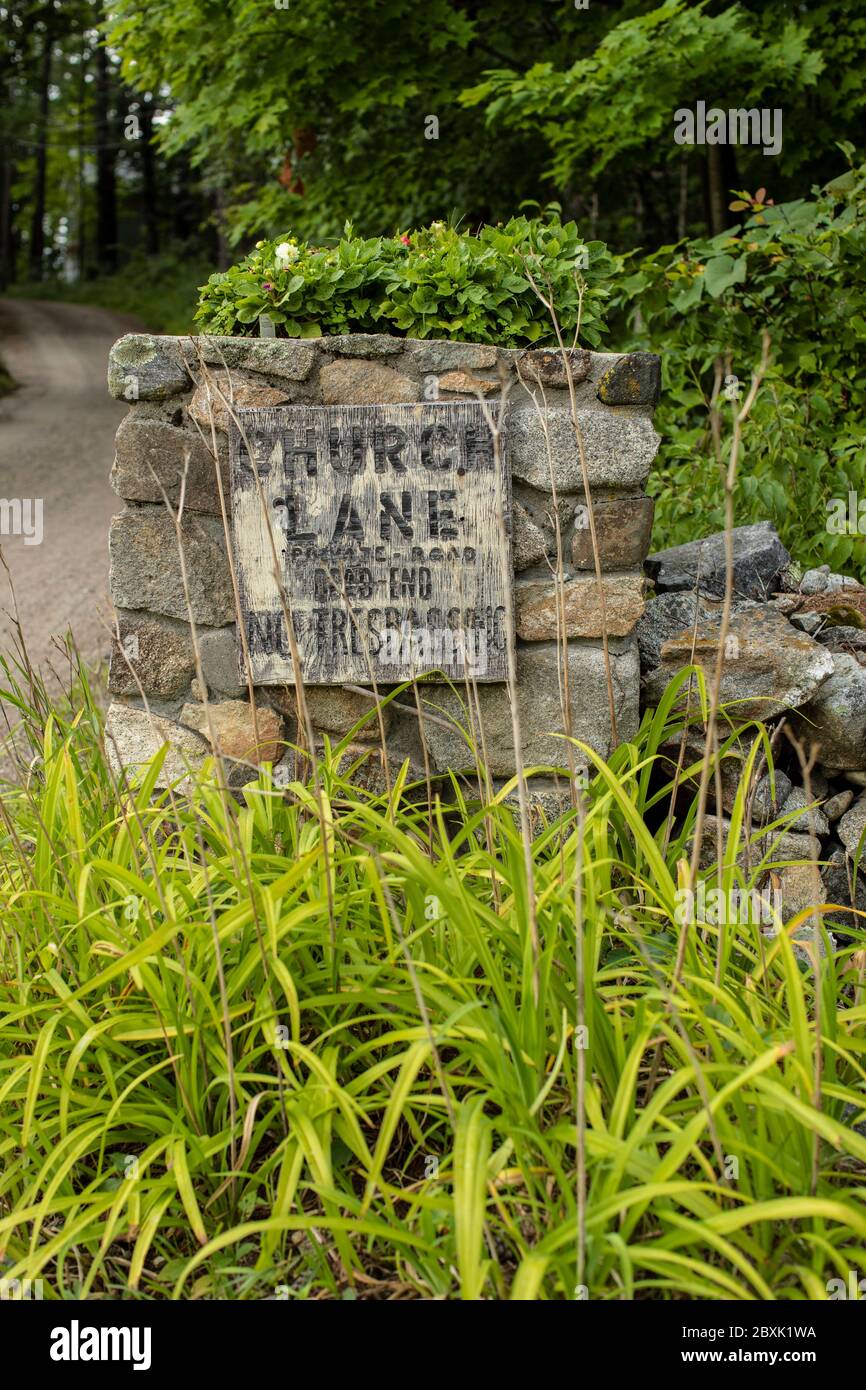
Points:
(390, 525)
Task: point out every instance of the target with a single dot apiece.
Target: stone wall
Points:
(153, 666)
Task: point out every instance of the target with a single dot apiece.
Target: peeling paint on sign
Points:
(383, 531)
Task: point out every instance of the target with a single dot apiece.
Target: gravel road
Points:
(56, 444)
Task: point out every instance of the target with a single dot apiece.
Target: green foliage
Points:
(307, 115)
(435, 282)
(252, 118)
(310, 114)
(84, 185)
(307, 1041)
(796, 269)
(621, 98)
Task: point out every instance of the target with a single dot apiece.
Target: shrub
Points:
(433, 282)
(796, 269)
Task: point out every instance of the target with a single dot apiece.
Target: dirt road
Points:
(56, 444)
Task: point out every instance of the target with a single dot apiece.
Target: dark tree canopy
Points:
(147, 127)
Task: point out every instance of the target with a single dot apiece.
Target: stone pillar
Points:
(169, 427)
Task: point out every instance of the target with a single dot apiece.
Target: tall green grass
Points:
(299, 1045)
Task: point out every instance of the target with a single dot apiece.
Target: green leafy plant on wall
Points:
(436, 282)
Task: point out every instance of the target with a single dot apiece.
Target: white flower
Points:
(286, 253)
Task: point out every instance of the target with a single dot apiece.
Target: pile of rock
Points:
(795, 649)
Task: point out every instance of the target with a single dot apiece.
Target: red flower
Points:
(404, 239)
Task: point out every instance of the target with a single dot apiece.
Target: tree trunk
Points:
(37, 224)
(639, 211)
(81, 250)
(7, 177)
(683, 204)
(721, 177)
(715, 191)
(148, 179)
(106, 184)
(224, 255)
(7, 259)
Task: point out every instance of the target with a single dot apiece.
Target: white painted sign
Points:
(391, 529)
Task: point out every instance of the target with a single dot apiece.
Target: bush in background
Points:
(796, 269)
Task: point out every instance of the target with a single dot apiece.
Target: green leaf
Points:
(722, 272)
